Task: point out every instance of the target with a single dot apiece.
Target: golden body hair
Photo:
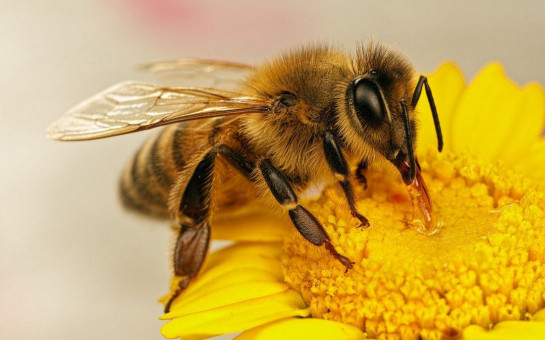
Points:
(290, 138)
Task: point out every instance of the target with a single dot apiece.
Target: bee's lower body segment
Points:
(304, 221)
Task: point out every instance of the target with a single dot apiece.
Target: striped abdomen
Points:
(149, 177)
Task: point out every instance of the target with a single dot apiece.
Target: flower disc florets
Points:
(486, 264)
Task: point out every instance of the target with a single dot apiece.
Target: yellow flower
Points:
(493, 117)
(482, 276)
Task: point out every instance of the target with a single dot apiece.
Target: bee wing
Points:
(201, 72)
(134, 106)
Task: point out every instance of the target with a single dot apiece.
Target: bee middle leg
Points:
(339, 166)
(303, 220)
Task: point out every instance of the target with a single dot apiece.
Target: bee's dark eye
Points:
(373, 71)
(367, 100)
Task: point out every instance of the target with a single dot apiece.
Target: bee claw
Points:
(364, 222)
(343, 259)
(182, 285)
(348, 264)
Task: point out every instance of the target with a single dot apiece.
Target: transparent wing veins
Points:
(134, 106)
(202, 72)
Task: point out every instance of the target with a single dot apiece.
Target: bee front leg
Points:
(339, 166)
(303, 220)
(194, 237)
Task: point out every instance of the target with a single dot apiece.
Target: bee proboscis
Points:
(301, 118)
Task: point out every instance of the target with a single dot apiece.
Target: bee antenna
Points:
(410, 151)
(417, 91)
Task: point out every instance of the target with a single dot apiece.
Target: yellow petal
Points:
(532, 164)
(231, 265)
(486, 113)
(507, 330)
(224, 296)
(242, 251)
(296, 329)
(236, 317)
(447, 84)
(211, 282)
(252, 224)
(528, 125)
(539, 316)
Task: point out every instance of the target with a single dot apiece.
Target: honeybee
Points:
(302, 118)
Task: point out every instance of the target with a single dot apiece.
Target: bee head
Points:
(376, 113)
(378, 107)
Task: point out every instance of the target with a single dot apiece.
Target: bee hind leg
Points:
(303, 220)
(194, 237)
(189, 254)
(192, 244)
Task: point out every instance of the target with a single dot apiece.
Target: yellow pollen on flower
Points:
(485, 265)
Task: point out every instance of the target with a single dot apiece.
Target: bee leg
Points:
(339, 166)
(303, 220)
(360, 174)
(236, 160)
(192, 243)
(189, 254)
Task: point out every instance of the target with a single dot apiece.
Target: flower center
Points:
(485, 264)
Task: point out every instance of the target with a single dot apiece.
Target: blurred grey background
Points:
(73, 263)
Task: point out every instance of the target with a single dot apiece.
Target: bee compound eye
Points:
(367, 100)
